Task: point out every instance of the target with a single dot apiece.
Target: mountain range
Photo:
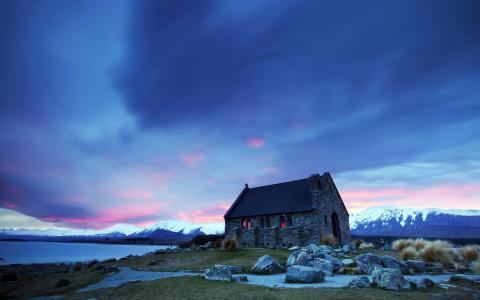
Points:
(434, 223)
(373, 221)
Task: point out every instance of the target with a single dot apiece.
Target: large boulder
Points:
(349, 247)
(359, 282)
(267, 265)
(393, 263)
(422, 284)
(417, 266)
(324, 265)
(299, 257)
(368, 262)
(218, 272)
(387, 278)
(304, 274)
(312, 248)
(233, 269)
(348, 262)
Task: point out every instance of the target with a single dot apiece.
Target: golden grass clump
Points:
(401, 244)
(420, 244)
(470, 253)
(330, 240)
(438, 251)
(358, 242)
(408, 253)
(229, 245)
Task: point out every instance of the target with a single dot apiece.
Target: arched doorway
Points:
(336, 227)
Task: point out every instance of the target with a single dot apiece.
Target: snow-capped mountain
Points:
(399, 221)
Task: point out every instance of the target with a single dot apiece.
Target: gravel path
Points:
(126, 275)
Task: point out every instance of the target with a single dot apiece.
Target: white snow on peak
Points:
(403, 215)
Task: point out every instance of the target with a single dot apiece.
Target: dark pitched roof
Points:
(292, 196)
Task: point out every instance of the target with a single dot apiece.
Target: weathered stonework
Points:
(327, 215)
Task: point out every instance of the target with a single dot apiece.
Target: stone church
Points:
(293, 213)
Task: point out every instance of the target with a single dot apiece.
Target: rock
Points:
(207, 245)
(62, 282)
(304, 274)
(386, 247)
(387, 278)
(325, 248)
(160, 251)
(267, 265)
(323, 254)
(294, 248)
(153, 262)
(337, 264)
(393, 263)
(312, 248)
(348, 262)
(10, 276)
(359, 282)
(368, 262)
(99, 267)
(221, 273)
(349, 247)
(425, 284)
(240, 278)
(417, 266)
(324, 265)
(434, 267)
(233, 269)
(298, 257)
(126, 257)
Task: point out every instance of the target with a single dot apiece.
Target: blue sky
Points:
(135, 112)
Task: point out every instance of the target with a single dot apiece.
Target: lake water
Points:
(52, 252)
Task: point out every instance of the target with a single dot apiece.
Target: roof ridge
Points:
(280, 183)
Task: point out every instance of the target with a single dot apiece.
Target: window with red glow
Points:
(249, 224)
(244, 224)
(283, 224)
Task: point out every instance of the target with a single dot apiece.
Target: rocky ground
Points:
(365, 273)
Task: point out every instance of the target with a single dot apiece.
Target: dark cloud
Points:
(195, 60)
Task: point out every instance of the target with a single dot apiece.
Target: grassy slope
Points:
(198, 288)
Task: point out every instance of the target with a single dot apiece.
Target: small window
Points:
(325, 219)
(249, 223)
(262, 223)
(244, 223)
(268, 222)
(289, 221)
(283, 224)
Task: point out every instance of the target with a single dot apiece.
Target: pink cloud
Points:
(255, 142)
(204, 215)
(9, 205)
(446, 196)
(133, 194)
(193, 159)
(129, 214)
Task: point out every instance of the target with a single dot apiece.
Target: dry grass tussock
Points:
(330, 240)
(420, 244)
(408, 253)
(229, 245)
(470, 253)
(401, 244)
(438, 251)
